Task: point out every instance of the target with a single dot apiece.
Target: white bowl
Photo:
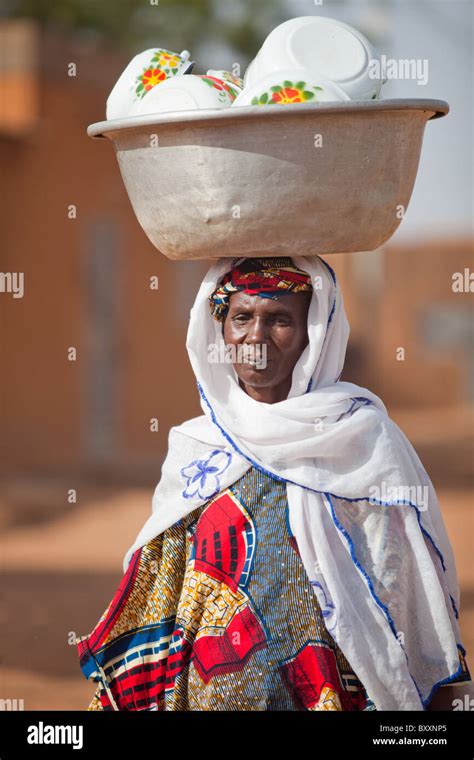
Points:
(253, 181)
(328, 46)
(133, 84)
(190, 92)
(291, 86)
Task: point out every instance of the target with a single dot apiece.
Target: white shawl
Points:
(362, 508)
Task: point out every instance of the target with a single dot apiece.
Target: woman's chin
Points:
(255, 377)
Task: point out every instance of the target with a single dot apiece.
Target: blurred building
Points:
(68, 226)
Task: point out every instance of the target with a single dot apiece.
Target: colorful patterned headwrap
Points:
(267, 277)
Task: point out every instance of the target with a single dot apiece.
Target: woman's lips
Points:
(259, 365)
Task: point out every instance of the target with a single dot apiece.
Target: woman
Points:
(295, 557)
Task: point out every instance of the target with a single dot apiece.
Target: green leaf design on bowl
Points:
(263, 98)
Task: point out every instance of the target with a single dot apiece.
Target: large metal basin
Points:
(301, 179)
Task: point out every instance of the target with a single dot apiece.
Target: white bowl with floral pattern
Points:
(189, 93)
(320, 44)
(142, 75)
(291, 86)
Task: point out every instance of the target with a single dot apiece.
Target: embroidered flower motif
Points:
(202, 475)
(288, 92)
(326, 604)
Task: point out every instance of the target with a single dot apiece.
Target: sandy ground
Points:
(61, 564)
(57, 578)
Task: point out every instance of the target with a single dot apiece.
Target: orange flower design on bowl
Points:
(164, 64)
(223, 87)
(168, 60)
(152, 77)
(287, 92)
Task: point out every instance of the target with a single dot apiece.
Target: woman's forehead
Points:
(286, 301)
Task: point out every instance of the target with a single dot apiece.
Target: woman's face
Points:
(276, 329)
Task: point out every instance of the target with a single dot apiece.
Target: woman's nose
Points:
(257, 331)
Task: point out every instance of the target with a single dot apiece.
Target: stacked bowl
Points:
(211, 171)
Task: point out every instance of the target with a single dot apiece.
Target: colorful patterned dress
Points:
(217, 613)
